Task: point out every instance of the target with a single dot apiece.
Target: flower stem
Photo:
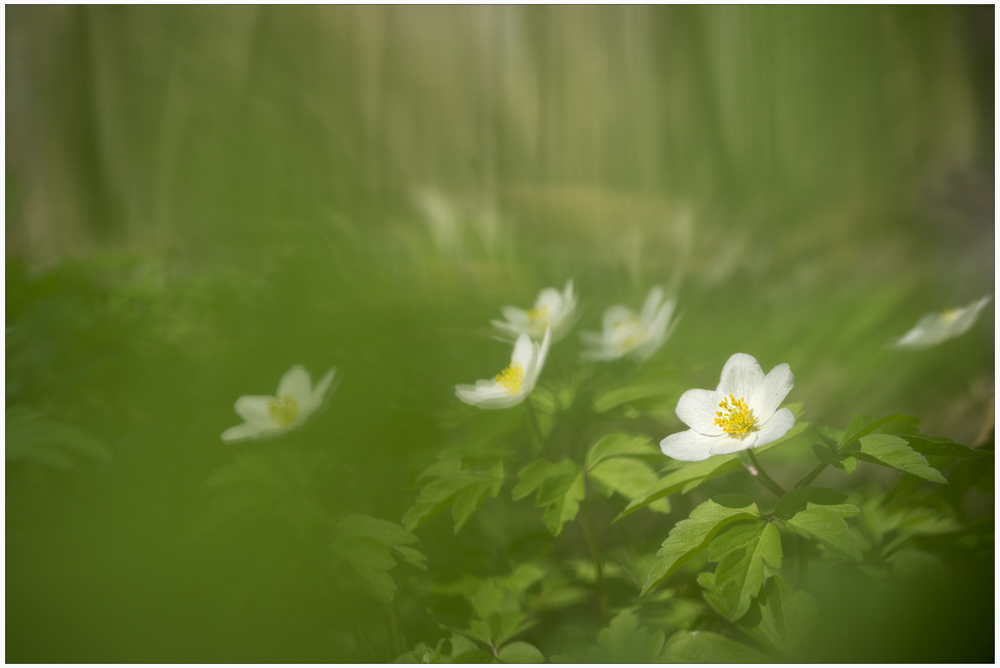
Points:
(595, 553)
(398, 642)
(758, 472)
(812, 476)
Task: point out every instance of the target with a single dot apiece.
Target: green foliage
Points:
(461, 484)
(691, 536)
(705, 647)
(742, 550)
(895, 452)
(32, 437)
(624, 641)
(782, 618)
(560, 487)
(614, 465)
(690, 476)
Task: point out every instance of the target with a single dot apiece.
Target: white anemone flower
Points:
(553, 310)
(514, 383)
(296, 400)
(627, 333)
(741, 413)
(935, 328)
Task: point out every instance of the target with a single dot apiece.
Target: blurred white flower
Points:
(625, 333)
(514, 383)
(935, 328)
(296, 400)
(741, 413)
(553, 310)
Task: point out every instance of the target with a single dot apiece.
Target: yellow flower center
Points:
(948, 316)
(283, 410)
(629, 333)
(735, 417)
(511, 378)
(540, 314)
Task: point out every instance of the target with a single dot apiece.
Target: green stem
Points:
(812, 476)
(534, 421)
(399, 643)
(758, 472)
(595, 553)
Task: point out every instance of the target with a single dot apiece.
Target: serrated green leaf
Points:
(742, 550)
(826, 526)
(367, 561)
(695, 473)
(629, 477)
(625, 641)
(808, 497)
(520, 652)
(619, 445)
(691, 536)
(895, 452)
(863, 425)
(704, 647)
(32, 437)
(929, 446)
(563, 503)
(387, 533)
(782, 617)
(531, 477)
(560, 487)
(846, 465)
(474, 656)
(464, 489)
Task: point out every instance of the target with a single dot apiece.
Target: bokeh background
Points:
(199, 197)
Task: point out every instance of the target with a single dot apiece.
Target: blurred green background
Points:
(199, 197)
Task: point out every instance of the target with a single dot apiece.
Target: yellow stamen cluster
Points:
(735, 417)
(283, 410)
(511, 378)
(538, 314)
(948, 316)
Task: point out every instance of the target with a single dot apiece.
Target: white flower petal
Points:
(486, 394)
(253, 409)
(697, 409)
(515, 315)
(689, 446)
(771, 392)
(727, 445)
(538, 361)
(510, 329)
(296, 383)
(319, 391)
(614, 316)
(568, 296)
(740, 376)
(523, 352)
(242, 432)
(775, 428)
(550, 299)
(652, 304)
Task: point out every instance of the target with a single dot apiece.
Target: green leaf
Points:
(782, 617)
(365, 547)
(454, 485)
(895, 452)
(32, 437)
(932, 446)
(560, 487)
(742, 550)
(863, 425)
(520, 652)
(619, 445)
(809, 497)
(691, 536)
(692, 475)
(827, 527)
(629, 477)
(624, 641)
(704, 647)
(695, 473)
(473, 656)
